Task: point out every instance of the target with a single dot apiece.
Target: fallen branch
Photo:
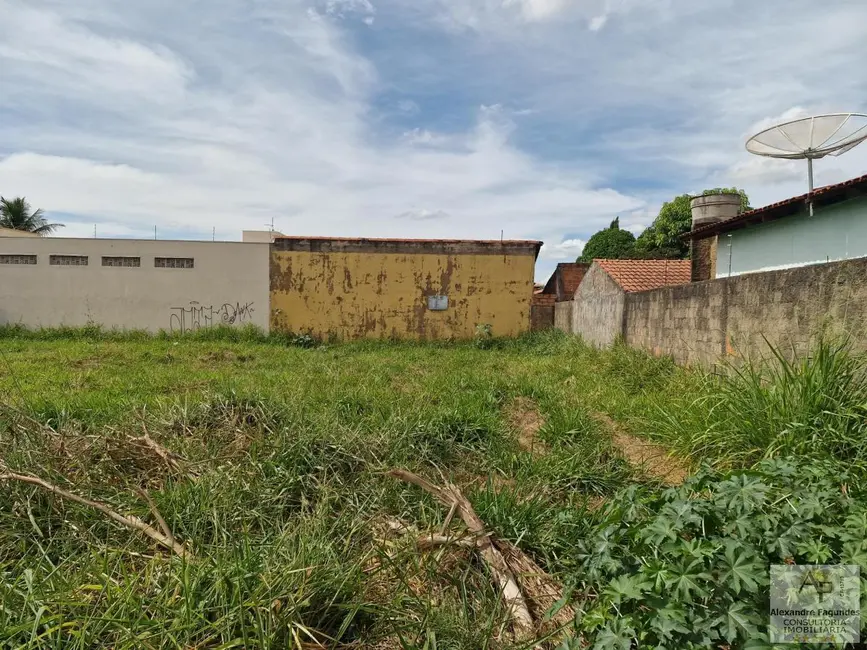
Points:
(156, 513)
(451, 496)
(168, 457)
(427, 542)
(130, 521)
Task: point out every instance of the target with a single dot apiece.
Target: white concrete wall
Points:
(259, 236)
(833, 233)
(229, 284)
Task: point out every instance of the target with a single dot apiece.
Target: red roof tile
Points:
(641, 275)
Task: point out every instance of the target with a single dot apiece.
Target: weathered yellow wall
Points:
(354, 295)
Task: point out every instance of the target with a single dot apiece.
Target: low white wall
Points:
(228, 284)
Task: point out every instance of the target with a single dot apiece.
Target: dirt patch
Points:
(649, 458)
(225, 355)
(524, 418)
(86, 364)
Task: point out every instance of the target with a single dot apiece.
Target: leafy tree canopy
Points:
(675, 219)
(659, 241)
(611, 243)
(16, 215)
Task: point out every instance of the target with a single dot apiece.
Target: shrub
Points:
(689, 568)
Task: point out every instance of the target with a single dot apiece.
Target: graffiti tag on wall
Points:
(198, 316)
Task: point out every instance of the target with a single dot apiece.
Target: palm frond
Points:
(15, 214)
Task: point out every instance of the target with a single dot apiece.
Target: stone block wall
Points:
(686, 321)
(789, 307)
(703, 323)
(597, 311)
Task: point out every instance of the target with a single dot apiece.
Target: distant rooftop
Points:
(822, 196)
(642, 275)
(565, 279)
(10, 232)
(408, 246)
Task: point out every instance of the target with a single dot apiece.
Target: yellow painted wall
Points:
(354, 295)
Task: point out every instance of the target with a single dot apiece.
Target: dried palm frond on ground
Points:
(523, 584)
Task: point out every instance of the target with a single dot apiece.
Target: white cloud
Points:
(597, 22)
(767, 170)
(636, 228)
(423, 215)
(537, 9)
(408, 106)
(286, 136)
(135, 114)
(341, 8)
(424, 137)
(568, 249)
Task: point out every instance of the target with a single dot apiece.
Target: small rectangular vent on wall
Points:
(67, 260)
(438, 303)
(17, 259)
(174, 262)
(131, 262)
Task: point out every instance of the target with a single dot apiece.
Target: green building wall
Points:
(836, 232)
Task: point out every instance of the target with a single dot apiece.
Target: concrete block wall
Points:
(686, 321)
(597, 311)
(563, 316)
(791, 306)
(703, 323)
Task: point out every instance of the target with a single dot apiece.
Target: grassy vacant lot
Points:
(277, 483)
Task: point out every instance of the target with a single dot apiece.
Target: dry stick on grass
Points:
(432, 540)
(168, 457)
(449, 496)
(156, 513)
(130, 521)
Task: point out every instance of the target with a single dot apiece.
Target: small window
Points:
(122, 261)
(67, 260)
(173, 262)
(17, 259)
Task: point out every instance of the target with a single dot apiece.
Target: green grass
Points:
(813, 407)
(282, 493)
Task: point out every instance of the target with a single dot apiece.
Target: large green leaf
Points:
(739, 622)
(689, 580)
(626, 587)
(617, 635)
(742, 570)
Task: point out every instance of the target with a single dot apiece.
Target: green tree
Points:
(611, 243)
(16, 214)
(662, 238)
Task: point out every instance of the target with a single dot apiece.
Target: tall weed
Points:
(814, 406)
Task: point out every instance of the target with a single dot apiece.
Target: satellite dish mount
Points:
(811, 138)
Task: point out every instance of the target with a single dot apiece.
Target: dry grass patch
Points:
(524, 418)
(650, 459)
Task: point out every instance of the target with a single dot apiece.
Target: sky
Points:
(526, 119)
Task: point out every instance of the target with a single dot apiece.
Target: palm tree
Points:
(16, 214)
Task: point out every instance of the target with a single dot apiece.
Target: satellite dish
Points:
(811, 138)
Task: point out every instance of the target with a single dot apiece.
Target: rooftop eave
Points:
(821, 197)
